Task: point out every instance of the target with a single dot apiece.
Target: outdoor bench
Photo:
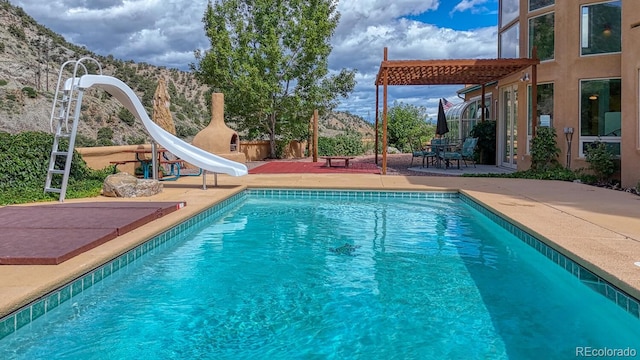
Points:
(341, 158)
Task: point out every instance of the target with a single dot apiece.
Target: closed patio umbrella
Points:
(441, 125)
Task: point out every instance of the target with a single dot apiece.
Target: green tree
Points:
(406, 125)
(270, 59)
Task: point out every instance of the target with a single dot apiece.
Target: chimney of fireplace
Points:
(217, 138)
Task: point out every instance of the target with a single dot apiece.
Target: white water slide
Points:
(185, 151)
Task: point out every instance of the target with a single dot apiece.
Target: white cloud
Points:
(359, 14)
(129, 30)
(471, 5)
(166, 33)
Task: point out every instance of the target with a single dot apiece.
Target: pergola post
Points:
(376, 129)
(315, 135)
(385, 81)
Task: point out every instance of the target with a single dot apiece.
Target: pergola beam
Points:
(450, 72)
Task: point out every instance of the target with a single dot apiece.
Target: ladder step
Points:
(61, 153)
(56, 171)
(65, 135)
(53, 190)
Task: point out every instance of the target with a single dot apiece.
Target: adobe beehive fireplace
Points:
(217, 138)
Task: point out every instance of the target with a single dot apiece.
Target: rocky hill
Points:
(336, 123)
(30, 59)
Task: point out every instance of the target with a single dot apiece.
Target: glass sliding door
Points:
(508, 125)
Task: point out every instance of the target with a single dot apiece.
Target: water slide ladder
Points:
(67, 104)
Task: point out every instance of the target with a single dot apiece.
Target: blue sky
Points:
(450, 15)
(166, 33)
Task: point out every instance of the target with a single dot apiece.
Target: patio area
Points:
(309, 167)
(398, 164)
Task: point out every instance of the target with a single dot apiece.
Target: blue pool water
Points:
(425, 280)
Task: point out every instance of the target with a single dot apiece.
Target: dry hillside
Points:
(337, 123)
(31, 56)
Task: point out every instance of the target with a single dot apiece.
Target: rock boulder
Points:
(127, 186)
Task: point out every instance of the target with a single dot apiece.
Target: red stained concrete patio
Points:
(299, 167)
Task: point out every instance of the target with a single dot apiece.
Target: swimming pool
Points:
(429, 277)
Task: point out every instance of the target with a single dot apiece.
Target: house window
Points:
(600, 28)
(510, 42)
(539, 4)
(541, 36)
(600, 113)
(544, 115)
(509, 11)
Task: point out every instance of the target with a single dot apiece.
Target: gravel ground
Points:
(397, 164)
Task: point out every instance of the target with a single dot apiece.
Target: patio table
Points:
(439, 148)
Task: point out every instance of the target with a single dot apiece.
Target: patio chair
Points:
(466, 152)
(426, 154)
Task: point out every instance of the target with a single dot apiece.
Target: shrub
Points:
(30, 92)
(600, 160)
(544, 150)
(486, 134)
(17, 32)
(185, 131)
(559, 173)
(346, 145)
(281, 145)
(25, 159)
(126, 116)
(84, 141)
(105, 136)
(136, 140)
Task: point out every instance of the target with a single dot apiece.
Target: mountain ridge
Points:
(30, 59)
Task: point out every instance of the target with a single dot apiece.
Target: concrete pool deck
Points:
(595, 227)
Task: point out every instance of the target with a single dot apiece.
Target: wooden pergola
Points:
(445, 72)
